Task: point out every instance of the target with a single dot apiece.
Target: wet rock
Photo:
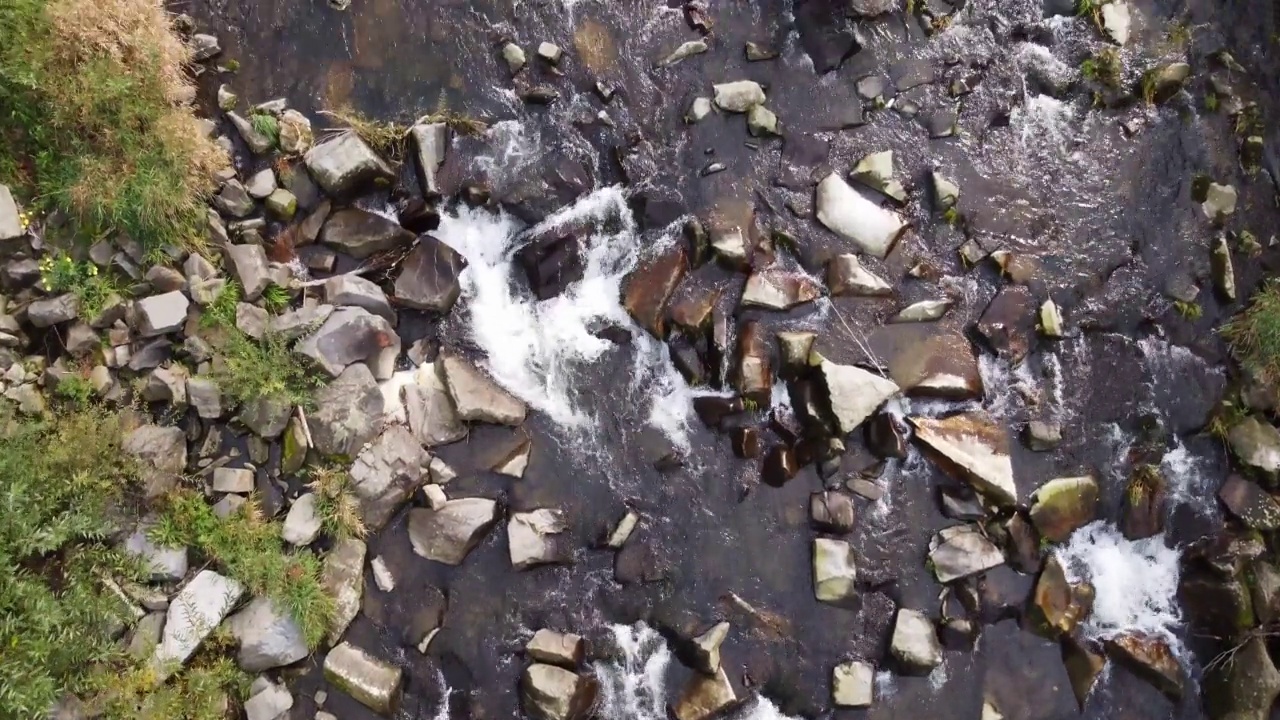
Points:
(476, 397)
(295, 135)
(776, 289)
(548, 692)
(928, 361)
(746, 442)
(250, 264)
(705, 649)
(1043, 436)
(375, 683)
(532, 541)
(261, 184)
(1009, 321)
(281, 204)
(824, 36)
(945, 192)
(1246, 687)
(447, 535)
(302, 524)
(268, 638)
(853, 684)
(703, 696)
(649, 289)
(344, 164)
(351, 335)
(779, 466)
(431, 141)
(1145, 504)
(876, 172)
(762, 122)
(622, 531)
(514, 56)
(975, 449)
(1022, 544)
(1083, 665)
(923, 311)
(831, 511)
(739, 96)
(847, 277)
(348, 413)
(686, 50)
(196, 611)
(554, 648)
(1150, 658)
(850, 215)
(342, 578)
(1057, 606)
(698, 110)
(939, 124)
(794, 347)
(428, 277)
(854, 393)
(961, 551)
(360, 233)
(386, 473)
(162, 564)
(160, 314)
(551, 263)
(835, 571)
(1219, 202)
(914, 644)
(1224, 274)
(1249, 502)
(162, 451)
(430, 411)
(1163, 82)
(755, 52)
(1116, 21)
(1256, 444)
(163, 279)
(887, 436)
(1061, 506)
(754, 379)
(539, 95)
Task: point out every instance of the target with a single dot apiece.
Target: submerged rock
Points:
(850, 215)
(754, 377)
(703, 696)
(914, 645)
(832, 511)
(476, 397)
(1150, 658)
(923, 311)
(975, 449)
(961, 551)
(648, 290)
(532, 541)
(739, 96)
(835, 571)
(1062, 505)
(1145, 503)
(447, 535)
(686, 50)
(343, 164)
(377, 684)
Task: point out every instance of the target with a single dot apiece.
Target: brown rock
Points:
(1009, 322)
(746, 442)
(704, 696)
(649, 288)
(779, 466)
(755, 367)
(831, 511)
(1145, 501)
(1083, 664)
(1056, 605)
(1150, 658)
(973, 448)
(927, 362)
(1249, 502)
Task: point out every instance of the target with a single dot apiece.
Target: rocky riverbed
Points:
(779, 358)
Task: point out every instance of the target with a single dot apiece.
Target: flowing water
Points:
(1042, 173)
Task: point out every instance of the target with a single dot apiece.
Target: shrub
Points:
(250, 370)
(222, 311)
(95, 290)
(91, 91)
(1254, 334)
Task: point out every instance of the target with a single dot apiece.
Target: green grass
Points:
(1189, 310)
(1103, 67)
(250, 369)
(222, 311)
(76, 390)
(276, 299)
(250, 549)
(266, 124)
(335, 503)
(1254, 334)
(94, 289)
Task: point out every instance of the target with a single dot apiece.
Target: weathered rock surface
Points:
(854, 393)
(348, 412)
(161, 314)
(377, 684)
(1083, 665)
(776, 289)
(853, 684)
(429, 409)
(1245, 688)
(430, 141)
(738, 96)
(531, 538)
(927, 361)
(351, 335)
(268, 703)
(233, 480)
(851, 216)
(961, 551)
(1249, 502)
(923, 311)
(428, 278)
(555, 648)
(196, 611)
(876, 172)
(48, 312)
(847, 277)
(649, 288)
(164, 564)
(1062, 505)
(975, 449)
(447, 535)
(386, 473)
(342, 577)
(344, 164)
(703, 696)
(705, 648)
(476, 397)
(1256, 444)
(1057, 606)
(355, 291)
(835, 571)
(11, 225)
(1149, 658)
(162, 452)
(302, 524)
(552, 693)
(832, 511)
(267, 636)
(914, 644)
(360, 233)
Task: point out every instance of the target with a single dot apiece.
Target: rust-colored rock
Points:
(1150, 658)
(755, 368)
(649, 288)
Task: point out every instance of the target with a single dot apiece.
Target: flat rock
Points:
(703, 696)
(853, 684)
(351, 335)
(1256, 444)
(430, 141)
(1150, 658)
(352, 290)
(161, 314)
(555, 648)
(196, 611)
(845, 212)
(430, 411)
(476, 397)
(914, 644)
(738, 96)
(847, 277)
(344, 164)
(162, 563)
(832, 511)
(532, 538)
(162, 452)
(233, 480)
(706, 648)
(648, 290)
(854, 393)
(835, 571)
(268, 703)
(360, 233)
(348, 413)
(927, 361)
(548, 692)
(447, 535)
(975, 449)
(376, 684)
(386, 473)
(48, 312)
(342, 577)
(1062, 505)
(268, 637)
(776, 289)
(962, 551)
(428, 278)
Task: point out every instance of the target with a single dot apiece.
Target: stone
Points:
(794, 348)
(266, 416)
(163, 564)
(514, 56)
(831, 511)
(302, 524)
(293, 324)
(233, 199)
(835, 571)
(739, 96)
(855, 394)
(268, 703)
(564, 649)
(515, 460)
(686, 50)
(344, 163)
(375, 683)
(1116, 21)
(1057, 606)
(146, 635)
(1249, 502)
(352, 290)
(1150, 658)
(704, 696)
(698, 110)
(29, 400)
(1061, 506)
(296, 136)
(914, 644)
(853, 684)
(361, 234)
(648, 290)
(872, 8)
(705, 649)
(197, 610)
(532, 541)
(261, 184)
(477, 397)
(922, 311)
(551, 262)
(281, 204)
(447, 535)
(1051, 320)
(961, 551)
(1224, 274)
(776, 289)
(1219, 202)
(762, 122)
(386, 473)
(268, 637)
(430, 141)
(348, 413)
(161, 314)
(12, 226)
(754, 377)
(1246, 687)
(252, 320)
(1043, 436)
(548, 692)
(166, 384)
(939, 124)
(876, 172)
(973, 448)
(342, 578)
(622, 531)
(1256, 444)
(945, 192)
(206, 397)
(162, 452)
(428, 278)
(382, 576)
(847, 277)
(52, 311)
(163, 279)
(845, 212)
(1083, 665)
(251, 269)
(351, 335)
(233, 480)
(204, 47)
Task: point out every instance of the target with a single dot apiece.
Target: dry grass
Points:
(335, 503)
(388, 139)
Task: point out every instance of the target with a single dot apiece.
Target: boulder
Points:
(48, 312)
(376, 684)
(775, 289)
(853, 684)
(233, 480)
(844, 211)
(342, 577)
(261, 183)
(296, 136)
(430, 141)
(847, 277)
(302, 524)
(1219, 201)
(1062, 505)
(1246, 687)
(348, 413)
(975, 449)
(649, 288)
(428, 278)
(12, 226)
(162, 452)
(876, 172)
(548, 692)
(762, 122)
(162, 564)
(268, 637)
(386, 473)
(835, 571)
(476, 397)
(551, 262)
(854, 393)
(259, 142)
(252, 320)
(1083, 665)
(354, 291)
(1057, 606)
(563, 649)
(293, 324)
(928, 361)
(1256, 444)
(831, 511)
(266, 416)
(271, 702)
(343, 164)
(194, 613)
(447, 535)
(161, 314)
(429, 409)
(923, 311)
(361, 234)
(686, 50)
(704, 696)
(705, 649)
(1249, 502)
(233, 199)
(531, 538)
(1150, 658)
(914, 644)
(1145, 503)
(738, 96)
(352, 335)
(961, 551)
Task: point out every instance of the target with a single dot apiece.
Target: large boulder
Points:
(477, 397)
(563, 649)
(845, 212)
(1249, 502)
(914, 644)
(548, 692)
(48, 312)
(196, 611)
(1150, 658)
(348, 413)
(344, 164)
(835, 571)
(428, 278)
(360, 233)
(1256, 443)
(162, 453)
(342, 577)
(1246, 687)
(961, 551)
(351, 335)
(1057, 606)
(648, 289)
(354, 291)
(386, 473)
(448, 534)
(429, 409)
(532, 538)
(1061, 506)
(268, 637)
(854, 393)
(377, 684)
(975, 449)
(775, 289)
(704, 696)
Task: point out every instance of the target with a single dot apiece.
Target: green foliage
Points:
(249, 370)
(335, 503)
(95, 290)
(276, 299)
(1249, 121)
(266, 124)
(76, 390)
(250, 549)
(222, 311)
(1103, 67)
(1189, 310)
(1210, 101)
(1149, 88)
(198, 691)
(1254, 334)
(951, 216)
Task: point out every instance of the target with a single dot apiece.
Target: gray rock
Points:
(847, 277)
(447, 535)
(961, 551)
(295, 132)
(976, 449)
(252, 320)
(146, 635)
(549, 646)
(550, 52)
(532, 541)
(360, 233)
(269, 703)
(848, 214)
(1224, 273)
(262, 184)
(164, 279)
(282, 204)
(1246, 500)
(431, 415)
(514, 57)
(164, 564)
(1245, 688)
(551, 693)
(352, 335)
(434, 495)
(29, 399)
(203, 47)
(166, 384)
(835, 571)
(302, 524)
(266, 416)
(342, 577)
(11, 225)
(915, 642)
(923, 311)
(776, 289)
(706, 648)
(854, 393)
(163, 455)
(344, 163)
(431, 140)
(206, 292)
(428, 278)
(476, 397)
(699, 109)
(832, 511)
(739, 96)
(294, 324)
(355, 291)
(348, 413)
(1256, 444)
(1043, 436)
(196, 611)
(853, 684)
(206, 397)
(876, 172)
(939, 124)
(161, 314)
(1219, 202)
(233, 199)
(51, 311)
(268, 637)
(686, 50)
(251, 268)
(377, 684)
(386, 473)
(945, 193)
(233, 480)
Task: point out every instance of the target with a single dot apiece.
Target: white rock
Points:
(853, 684)
(197, 610)
(923, 311)
(1050, 320)
(848, 214)
(10, 217)
(915, 642)
(977, 448)
(302, 524)
(268, 704)
(382, 576)
(961, 551)
(1116, 21)
(835, 572)
(531, 537)
(739, 96)
(855, 393)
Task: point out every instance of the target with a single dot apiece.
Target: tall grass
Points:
(1254, 334)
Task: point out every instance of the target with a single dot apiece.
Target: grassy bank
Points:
(92, 120)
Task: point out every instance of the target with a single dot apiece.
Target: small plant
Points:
(248, 370)
(1104, 68)
(266, 124)
(1254, 335)
(76, 390)
(1210, 101)
(1150, 85)
(1091, 9)
(222, 311)
(1145, 482)
(784, 241)
(1188, 309)
(750, 404)
(1248, 243)
(93, 289)
(276, 299)
(1225, 416)
(1249, 121)
(952, 217)
(386, 138)
(336, 504)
